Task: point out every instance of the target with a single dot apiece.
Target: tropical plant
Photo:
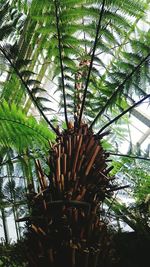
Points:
(97, 60)
(12, 255)
(136, 212)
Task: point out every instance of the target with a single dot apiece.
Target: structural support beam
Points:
(140, 117)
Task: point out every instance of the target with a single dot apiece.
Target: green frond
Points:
(13, 91)
(77, 25)
(19, 131)
(130, 7)
(108, 36)
(117, 20)
(4, 7)
(36, 90)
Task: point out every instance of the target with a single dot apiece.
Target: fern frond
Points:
(19, 131)
(27, 88)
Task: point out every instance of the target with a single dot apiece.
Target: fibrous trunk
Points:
(65, 226)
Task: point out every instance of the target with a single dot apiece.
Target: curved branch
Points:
(92, 59)
(119, 89)
(61, 61)
(27, 89)
(123, 113)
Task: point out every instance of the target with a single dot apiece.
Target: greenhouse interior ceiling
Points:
(74, 133)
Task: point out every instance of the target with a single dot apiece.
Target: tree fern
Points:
(97, 58)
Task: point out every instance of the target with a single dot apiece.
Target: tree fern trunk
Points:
(65, 226)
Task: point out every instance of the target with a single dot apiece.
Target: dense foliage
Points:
(65, 62)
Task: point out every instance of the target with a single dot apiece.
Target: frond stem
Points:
(27, 89)
(123, 113)
(92, 59)
(128, 156)
(61, 60)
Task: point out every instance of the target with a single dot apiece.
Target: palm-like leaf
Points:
(68, 42)
(20, 131)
